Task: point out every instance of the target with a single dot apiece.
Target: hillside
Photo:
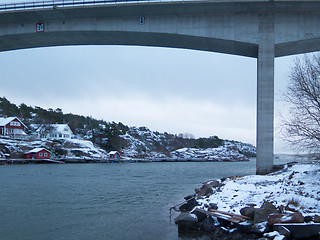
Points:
(131, 142)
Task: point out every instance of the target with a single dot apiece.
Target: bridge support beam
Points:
(265, 95)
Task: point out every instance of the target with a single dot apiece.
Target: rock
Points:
(205, 190)
(244, 227)
(301, 231)
(308, 219)
(259, 228)
(262, 214)
(213, 206)
(248, 212)
(201, 216)
(284, 231)
(214, 183)
(316, 219)
(187, 221)
(296, 217)
(208, 225)
(269, 206)
(189, 205)
(274, 218)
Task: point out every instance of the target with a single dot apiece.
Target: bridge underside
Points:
(13, 42)
(35, 40)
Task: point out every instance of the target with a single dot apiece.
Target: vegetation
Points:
(302, 127)
(105, 134)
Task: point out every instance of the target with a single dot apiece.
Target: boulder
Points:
(284, 231)
(187, 221)
(214, 183)
(189, 205)
(316, 219)
(205, 190)
(296, 217)
(201, 216)
(301, 231)
(248, 212)
(262, 214)
(213, 206)
(208, 225)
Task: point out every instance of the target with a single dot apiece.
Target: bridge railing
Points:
(64, 3)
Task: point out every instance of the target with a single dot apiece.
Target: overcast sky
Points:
(172, 90)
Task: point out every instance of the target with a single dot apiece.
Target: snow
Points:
(299, 185)
(74, 147)
(35, 150)
(5, 121)
(222, 153)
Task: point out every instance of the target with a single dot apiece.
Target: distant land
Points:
(94, 139)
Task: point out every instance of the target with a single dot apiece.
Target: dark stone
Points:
(235, 235)
(189, 205)
(260, 228)
(296, 217)
(316, 219)
(269, 206)
(262, 214)
(248, 212)
(201, 216)
(301, 231)
(205, 190)
(274, 218)
(213, 206)
(214, 183)
(244, 227)
(208, 225)
(284, 231)
(189, 196)
(308, 219)
(187, 221)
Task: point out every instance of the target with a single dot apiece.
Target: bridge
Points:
(262, 29)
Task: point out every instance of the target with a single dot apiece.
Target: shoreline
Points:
(96, 160)
(220, 208)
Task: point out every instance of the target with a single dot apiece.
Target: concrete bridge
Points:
(261, 29)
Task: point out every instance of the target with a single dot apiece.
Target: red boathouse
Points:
(37, 153)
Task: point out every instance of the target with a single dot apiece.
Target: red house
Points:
(114, 155)
(11, 126)
(37, 153)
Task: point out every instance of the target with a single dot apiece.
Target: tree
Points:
(302, 126)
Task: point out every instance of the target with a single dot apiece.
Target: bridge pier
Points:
(265, 95)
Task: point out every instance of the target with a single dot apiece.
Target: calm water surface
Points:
(100, 201)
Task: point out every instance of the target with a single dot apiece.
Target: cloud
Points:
(171, 90)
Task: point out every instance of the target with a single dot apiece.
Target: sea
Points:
(102, 201)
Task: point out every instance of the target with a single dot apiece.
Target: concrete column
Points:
(265, 95)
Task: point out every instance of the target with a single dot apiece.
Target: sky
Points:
(166, 90)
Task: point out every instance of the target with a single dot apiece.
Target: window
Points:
(14, 123)
(45, 154)
(40, 154)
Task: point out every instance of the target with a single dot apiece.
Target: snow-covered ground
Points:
(72, 147)
(222, 153)
(298, 185)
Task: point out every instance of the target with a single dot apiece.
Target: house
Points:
(114, 155)
(12, 126)
(37, 153)
(54, 131)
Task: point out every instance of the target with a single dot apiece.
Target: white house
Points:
(54, 131)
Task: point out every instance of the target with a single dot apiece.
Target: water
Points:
(100, 201)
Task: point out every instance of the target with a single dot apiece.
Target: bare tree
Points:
(301, 128)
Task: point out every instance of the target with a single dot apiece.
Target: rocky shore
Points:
(281, 205)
